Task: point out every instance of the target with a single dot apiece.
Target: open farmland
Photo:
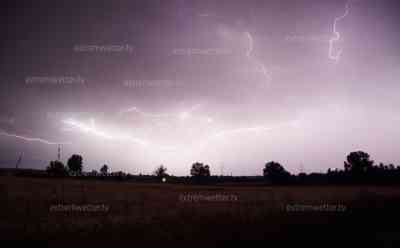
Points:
(61, 208)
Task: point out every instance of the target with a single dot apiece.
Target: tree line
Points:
(358, 168)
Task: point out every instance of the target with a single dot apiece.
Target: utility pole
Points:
(301, 168)
(18, 161)
(59, 153)
(222, 169)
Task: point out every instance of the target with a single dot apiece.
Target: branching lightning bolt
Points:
(30, 139)
(90, 129)
(86, 128)
(212, 135)
(249, 51)
(337, 36)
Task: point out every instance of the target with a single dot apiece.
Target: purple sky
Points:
(136, 84)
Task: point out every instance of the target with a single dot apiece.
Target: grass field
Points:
(35, 208)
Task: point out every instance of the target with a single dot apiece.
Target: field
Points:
(35, 208)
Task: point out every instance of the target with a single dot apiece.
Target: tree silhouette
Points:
(358, 162)
(160, 172)
(104, 169)
(200, 172)
(57, 168)
(199, 169)
(75, 164)
(275, 173)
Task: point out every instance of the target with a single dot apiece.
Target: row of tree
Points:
(74, 167)
(358, 168)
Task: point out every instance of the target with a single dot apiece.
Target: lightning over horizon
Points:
(213, 120)
(207, 81)
(184, 147)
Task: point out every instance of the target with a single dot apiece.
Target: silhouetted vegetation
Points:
(200, 172)
(275, 173)
(57, 169)
(75, 164)
(104, 169)
(160, 172)
(358, 168)
(358, 162)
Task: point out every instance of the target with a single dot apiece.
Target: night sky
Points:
(234, 84)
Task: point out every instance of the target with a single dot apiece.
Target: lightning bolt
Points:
(86, 128)
(180, 116)
(240, 131)
(29, 139)
(249, 51)
(336, 37)
(261, 128)
(225, 133)
(142, 113)
(186, 149)
(90, 129)
(211, 136)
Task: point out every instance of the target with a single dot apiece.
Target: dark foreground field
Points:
(38, 209)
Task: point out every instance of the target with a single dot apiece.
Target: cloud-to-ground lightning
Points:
(337, 37)
(249, 52)
(30, 139)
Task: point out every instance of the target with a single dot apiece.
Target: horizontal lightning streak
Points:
(238, 131)
(138, 111)
(30, 139)
(85, 128)
(180, 116)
